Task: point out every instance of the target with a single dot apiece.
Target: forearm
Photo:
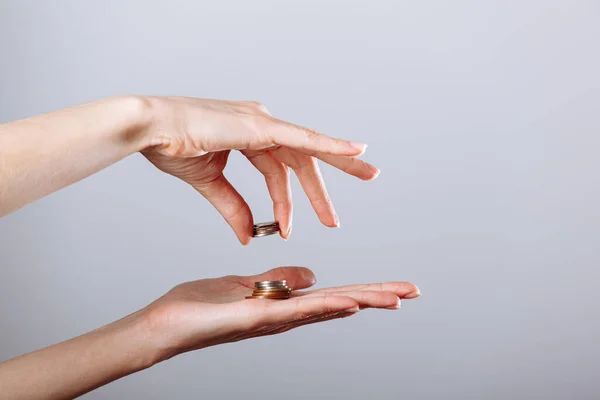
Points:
(79, 365)
(42, 154)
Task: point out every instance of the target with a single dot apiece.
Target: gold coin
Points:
(272, 291)
(267, 297)
(274, 296)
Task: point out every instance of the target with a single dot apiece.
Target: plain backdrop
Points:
(482, 115)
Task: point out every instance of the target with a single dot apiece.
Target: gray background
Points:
(482, 115)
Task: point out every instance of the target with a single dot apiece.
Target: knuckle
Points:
(256, 122)
(264, 130)
(278, 272)
(254, 103)
(310, 133)
(257, 105)
(256, 131)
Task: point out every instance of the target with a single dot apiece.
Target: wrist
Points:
(138, 118)
(135, 340)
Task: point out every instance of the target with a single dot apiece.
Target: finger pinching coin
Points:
(274, 290)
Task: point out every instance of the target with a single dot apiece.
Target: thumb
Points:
(230, 204)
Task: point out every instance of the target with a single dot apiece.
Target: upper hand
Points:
(208, 312)
(191, 139)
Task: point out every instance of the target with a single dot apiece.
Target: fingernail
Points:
(286, 235)
(375, 170)
(354, 309)
(396, 306)
(413, 295)
(337, 221)
(359, 146)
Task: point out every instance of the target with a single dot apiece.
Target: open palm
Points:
(207, 312)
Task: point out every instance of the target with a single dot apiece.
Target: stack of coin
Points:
(266, 229)
(276, 290)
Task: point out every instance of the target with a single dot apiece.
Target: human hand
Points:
(192, 139)
(209, 312)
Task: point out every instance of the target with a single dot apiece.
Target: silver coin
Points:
(266, 224)
(271, 284)
(271, 293)
(265, 229)
(265, 233)
(270, 287)
(279, 282)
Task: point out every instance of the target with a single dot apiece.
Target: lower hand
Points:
(209, 312)
(192, 316)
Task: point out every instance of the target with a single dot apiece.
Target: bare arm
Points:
(45, 153)
(72, 368)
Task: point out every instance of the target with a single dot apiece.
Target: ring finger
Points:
(307, 170)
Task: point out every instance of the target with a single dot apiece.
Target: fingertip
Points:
(335, 224)
(360, 147)
(308, 276)
(285, 234)
(282, 213)
(396, 306)
(244, 240)
(330, 220)
(414, 294)
(244, 232)
(374, 173)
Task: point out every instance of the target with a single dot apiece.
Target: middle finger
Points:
(404, 290)
(365, 298)
(309, 175)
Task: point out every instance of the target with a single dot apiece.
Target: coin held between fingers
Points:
(265, 229)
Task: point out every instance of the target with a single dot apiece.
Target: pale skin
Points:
(190, 139)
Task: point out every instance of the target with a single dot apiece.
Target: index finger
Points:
(299, 137)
